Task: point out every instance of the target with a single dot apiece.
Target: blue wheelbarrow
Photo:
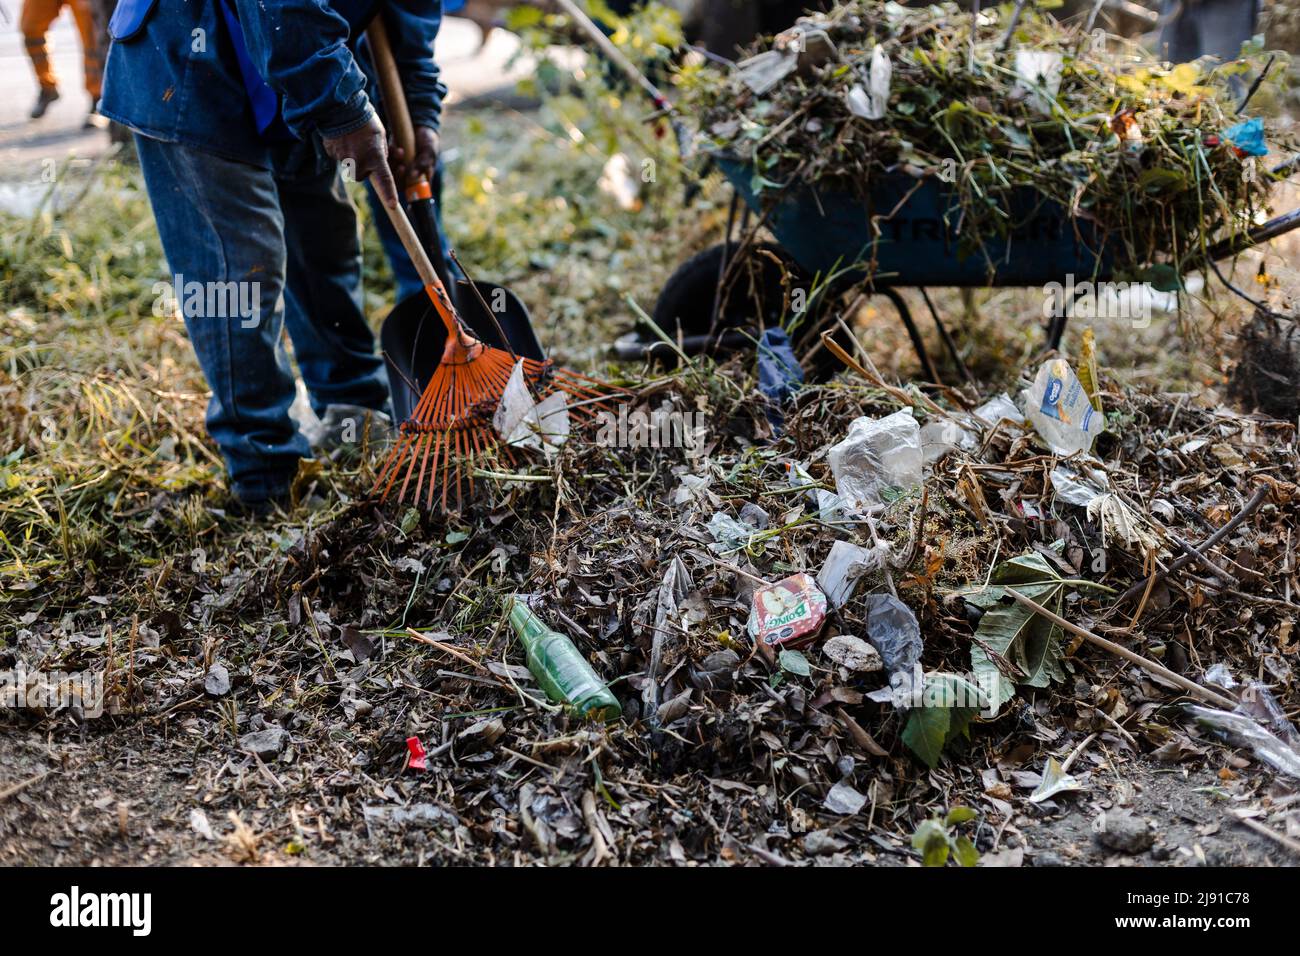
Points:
(907, 233)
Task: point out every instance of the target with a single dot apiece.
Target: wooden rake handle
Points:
(390, 82)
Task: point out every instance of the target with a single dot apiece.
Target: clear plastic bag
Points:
(879, 461)
(1061, 411)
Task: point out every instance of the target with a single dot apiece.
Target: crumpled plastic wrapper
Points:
(999, 408)
(1242, 731)
(846, 563)
(1079, 489)
(871, 102)
(1060, 409)
(893, 630)
(1039, 75)
(879, 460)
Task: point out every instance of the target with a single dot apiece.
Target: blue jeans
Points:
(1214, 27)
(287, 239)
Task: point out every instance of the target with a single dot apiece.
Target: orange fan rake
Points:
(450, 434)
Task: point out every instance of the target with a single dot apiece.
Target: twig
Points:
(1279, 838)
(1189, 548)
(447, 649)
(1011, 27)
(1074, 754)
(22, 785)
(1254, 87)
(1190, 686)
(1147, 564)
(1252, 505)
(1116, 724)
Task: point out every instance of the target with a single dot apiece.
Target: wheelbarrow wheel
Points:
(761, 291)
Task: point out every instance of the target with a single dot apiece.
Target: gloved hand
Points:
(426, 156)
(365, 150)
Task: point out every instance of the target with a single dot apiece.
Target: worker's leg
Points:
(1179, 38)
(35, 21)
(223, 233)
(1224, 25)
(333, 344)
(92, 47)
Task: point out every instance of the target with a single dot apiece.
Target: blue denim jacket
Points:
(173, 74)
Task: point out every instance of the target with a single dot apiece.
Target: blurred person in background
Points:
(35, 22)
(1196, 28)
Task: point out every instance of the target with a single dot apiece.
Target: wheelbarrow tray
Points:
(918, 242)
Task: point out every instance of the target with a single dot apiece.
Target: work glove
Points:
(364, 155)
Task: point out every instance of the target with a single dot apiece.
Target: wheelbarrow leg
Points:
(1055, 330)
(726, 258)
(948, 343)
(913, 332)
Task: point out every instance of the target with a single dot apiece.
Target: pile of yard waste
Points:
(891, 680)
(999, 104)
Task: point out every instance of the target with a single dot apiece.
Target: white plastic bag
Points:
(844, 565)
(943, 435)
(523, 423)
(879, 461)
(872, 101)
(999, 408)
(1039, 74)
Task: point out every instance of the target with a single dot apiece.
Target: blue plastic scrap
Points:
(779, 373)
(1248, 137)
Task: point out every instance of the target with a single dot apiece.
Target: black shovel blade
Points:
(412, 337)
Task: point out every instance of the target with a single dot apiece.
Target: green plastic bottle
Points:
(560, 668)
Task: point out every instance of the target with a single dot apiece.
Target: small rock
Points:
(853, 653)
(421, 815)
(822, 843)
(217, 681)
(1125, 833)
(264, 743)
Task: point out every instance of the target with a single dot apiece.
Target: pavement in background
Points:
(28, 146)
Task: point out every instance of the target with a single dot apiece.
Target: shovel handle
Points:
(395, 104)
(390, 86)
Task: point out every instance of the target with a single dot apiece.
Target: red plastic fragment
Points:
(419, 756)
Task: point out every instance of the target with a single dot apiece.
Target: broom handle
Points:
(390, 83)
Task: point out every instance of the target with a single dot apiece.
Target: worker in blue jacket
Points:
(246, 114)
